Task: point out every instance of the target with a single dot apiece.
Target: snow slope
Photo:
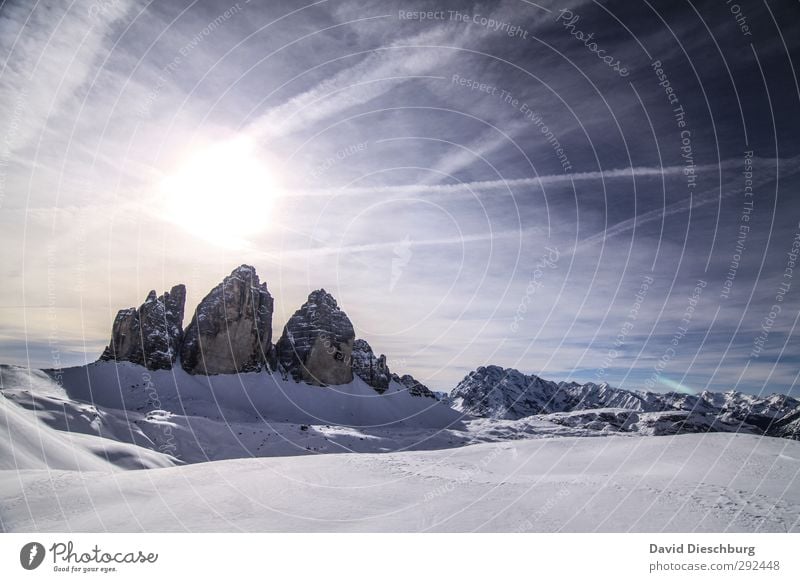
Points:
(62, 451)
(716, 482)
(262, 395)
(197, 419)
(200, 430)
(47, 439)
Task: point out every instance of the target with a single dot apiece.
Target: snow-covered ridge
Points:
(172, 416)
(506, 393)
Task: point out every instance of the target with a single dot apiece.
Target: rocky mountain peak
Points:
(414, 386)
(150, 335)
(499, 392)
(320, 296)
(231, 330)
(317, 342)
(245, 273)
(370, 368)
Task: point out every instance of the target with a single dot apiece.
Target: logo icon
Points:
(402, 256)
(31, 555)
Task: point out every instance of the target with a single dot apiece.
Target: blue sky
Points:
(470, 195)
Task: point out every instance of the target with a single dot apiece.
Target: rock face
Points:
(317, 342)
(608, 420)
(496, 392)
(231, 330)
(150, 335)
(373, 370)
(787, 427)
(505, 393)
(414, 387)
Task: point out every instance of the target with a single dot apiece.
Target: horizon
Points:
(475, 186)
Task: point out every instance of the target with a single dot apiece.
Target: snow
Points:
(254, 452)
(198, 418)
(28, 443)
(254, 396)
(715, 482)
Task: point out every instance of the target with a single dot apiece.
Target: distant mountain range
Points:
(506, 393)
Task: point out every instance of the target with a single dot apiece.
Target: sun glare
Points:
(223, 193)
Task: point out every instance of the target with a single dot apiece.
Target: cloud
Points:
(51, 53)
(85, 196)
(458, 162)
(375, 75)
(461, 157)
(391, 245)
(785, 167)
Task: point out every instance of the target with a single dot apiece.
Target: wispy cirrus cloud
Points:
(463, 156)
(783, 168)
(466, 156)
(377, 73)
(48, 55)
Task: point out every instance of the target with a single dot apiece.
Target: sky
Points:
(586, 191)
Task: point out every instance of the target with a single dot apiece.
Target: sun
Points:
(223, 193)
